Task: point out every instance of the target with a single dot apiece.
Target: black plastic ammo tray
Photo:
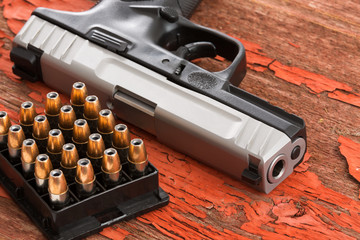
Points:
(83, 217)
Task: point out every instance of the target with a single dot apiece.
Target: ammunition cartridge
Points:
(81, 135)
(85, 178)
(67, 118)
(41, 130)
(54, 146)
(15, 140)
(58, 189)
(77, 99)
(29, 152)
(137, 158)
(111, 167)
(121, 141)
(4, 129)
(27, 115)
(92, 108)
(106, 124)
(43, 167)
(52, 108)
(69, 159)
(95, 150)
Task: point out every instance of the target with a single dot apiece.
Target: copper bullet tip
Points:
(4, 123)
(52, 104)
(106, 121)
(41, 127)
(137, 151)
(111, 161)
(92, 107)
(69, 156)
(57, 182)
(121, 136)
(84, 171)
(81, 131)
(55, 141)
(78, 93)
(67, 117)
(43, 166)
(96, 146)
(29, 151)
(27, 113)
(16, 137)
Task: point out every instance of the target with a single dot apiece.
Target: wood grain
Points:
(303, 57)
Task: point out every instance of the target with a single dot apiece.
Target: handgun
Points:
(137, 57)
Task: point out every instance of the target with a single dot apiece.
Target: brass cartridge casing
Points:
(29, 152)
(92, 108)
(58, 189)
(95, 150)
(137, 158)
(111, 167)
(27, 115)
(15, 139)
(69, 159)
(43, 167)
(121, 141)
(4, 129)
(52, 108)
(85, 178)
(54, 146)
(77, 98)
(106, 124)
(81, 133)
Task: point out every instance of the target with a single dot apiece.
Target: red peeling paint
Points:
(36, 96)
(351, 98)
(115, 233)
(350, 150)
(220, 58)
(316, 82)
(3, 193)
(294, 45)
(304, 166)
(15, 25)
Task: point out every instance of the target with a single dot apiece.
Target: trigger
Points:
(196, 50)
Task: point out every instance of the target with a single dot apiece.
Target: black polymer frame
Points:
(83, 217)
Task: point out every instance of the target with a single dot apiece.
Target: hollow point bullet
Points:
(54, 146)
(29, 152)
(15, 139)
(111, 167)
(69, 159)
(4, 129)
(92, 108)
(121, 141)
(77, 99)
(43, 167)
(106, 124)
(67, 118)
(85, 178)
(95, 150)
(41, 130)
(27, 115)
(58, 189)
(137, 158)
(81, 133)
(52, 108)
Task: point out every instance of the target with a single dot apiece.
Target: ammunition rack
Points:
(82, 216)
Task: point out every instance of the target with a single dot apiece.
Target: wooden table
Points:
(302, 56)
